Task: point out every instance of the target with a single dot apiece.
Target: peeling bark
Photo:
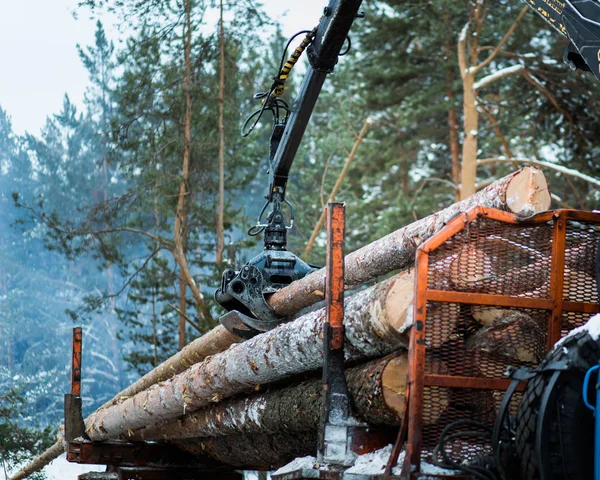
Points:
(375, 325)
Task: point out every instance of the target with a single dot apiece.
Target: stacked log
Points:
(196, 382)
(372, 329)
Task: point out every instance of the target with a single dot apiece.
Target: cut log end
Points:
(528, 192)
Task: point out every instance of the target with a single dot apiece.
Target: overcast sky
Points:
(39, 61)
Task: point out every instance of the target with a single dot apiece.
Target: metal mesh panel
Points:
(478, 341)
(497, 258)
(580, 262)
(482, 341)
(443, 406)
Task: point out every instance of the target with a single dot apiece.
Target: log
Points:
(523, 193)
(254, 452)
(212, 342)
(374, 326)
(515, 339)
(40, 461)
(393, 252)
(377, 390)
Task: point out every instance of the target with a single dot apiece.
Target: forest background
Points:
(121, 215)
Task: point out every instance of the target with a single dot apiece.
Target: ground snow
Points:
(60, 469)
(368, 464)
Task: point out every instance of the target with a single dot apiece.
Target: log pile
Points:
(258, 402)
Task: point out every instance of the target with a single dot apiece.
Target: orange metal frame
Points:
(417, 376)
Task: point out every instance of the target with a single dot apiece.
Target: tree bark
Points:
(392, 252)
(254, 452)
(221, 208)
(182, 311)
(338, 184)
(377, 390)
(181, 214)
(397, 250)
(376, 323)
(211, 343)
(41, 461)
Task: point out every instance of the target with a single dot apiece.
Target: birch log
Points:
(524, 193)
(377, 390)
(377, 321)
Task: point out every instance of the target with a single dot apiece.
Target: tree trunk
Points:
(338, 184)
(392, 252)
(181, 214)
(254, 452)
(528, 195)
(468, 175)
(377, 390)
(221, 208)
(375, 322)
(182, 311)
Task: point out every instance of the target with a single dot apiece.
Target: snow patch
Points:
(497, 75)
(592, 327)
(298, 464)
(371, 463)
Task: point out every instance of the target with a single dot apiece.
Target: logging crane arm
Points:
(244, 293)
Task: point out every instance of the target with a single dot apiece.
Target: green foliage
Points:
(19, 444)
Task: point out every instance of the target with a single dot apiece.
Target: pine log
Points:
(377, 390)
(523, 193)
(515, 339)
(254, 452)
(215, 341)
(470, 267)
(392, 252)
(40, 461)
(375, 325)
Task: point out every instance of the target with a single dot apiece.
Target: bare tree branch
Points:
(539, 163)
(498, 48)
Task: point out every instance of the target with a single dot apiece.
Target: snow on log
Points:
(254, 452)
(376, 323)
(377, 390)
(524, 193)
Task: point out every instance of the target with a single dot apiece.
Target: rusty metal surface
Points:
(334, 291)
(122, 453)
(76, 362)
(492, 291)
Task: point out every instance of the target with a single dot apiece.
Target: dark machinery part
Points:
(244, 293)
(554, 428)
(275, 268)
(579, 21)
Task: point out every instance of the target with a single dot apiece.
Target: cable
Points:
(481, 430)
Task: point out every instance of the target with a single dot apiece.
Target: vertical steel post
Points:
(335, 432)
(334, 287)
(74, 426)
(76, 363)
